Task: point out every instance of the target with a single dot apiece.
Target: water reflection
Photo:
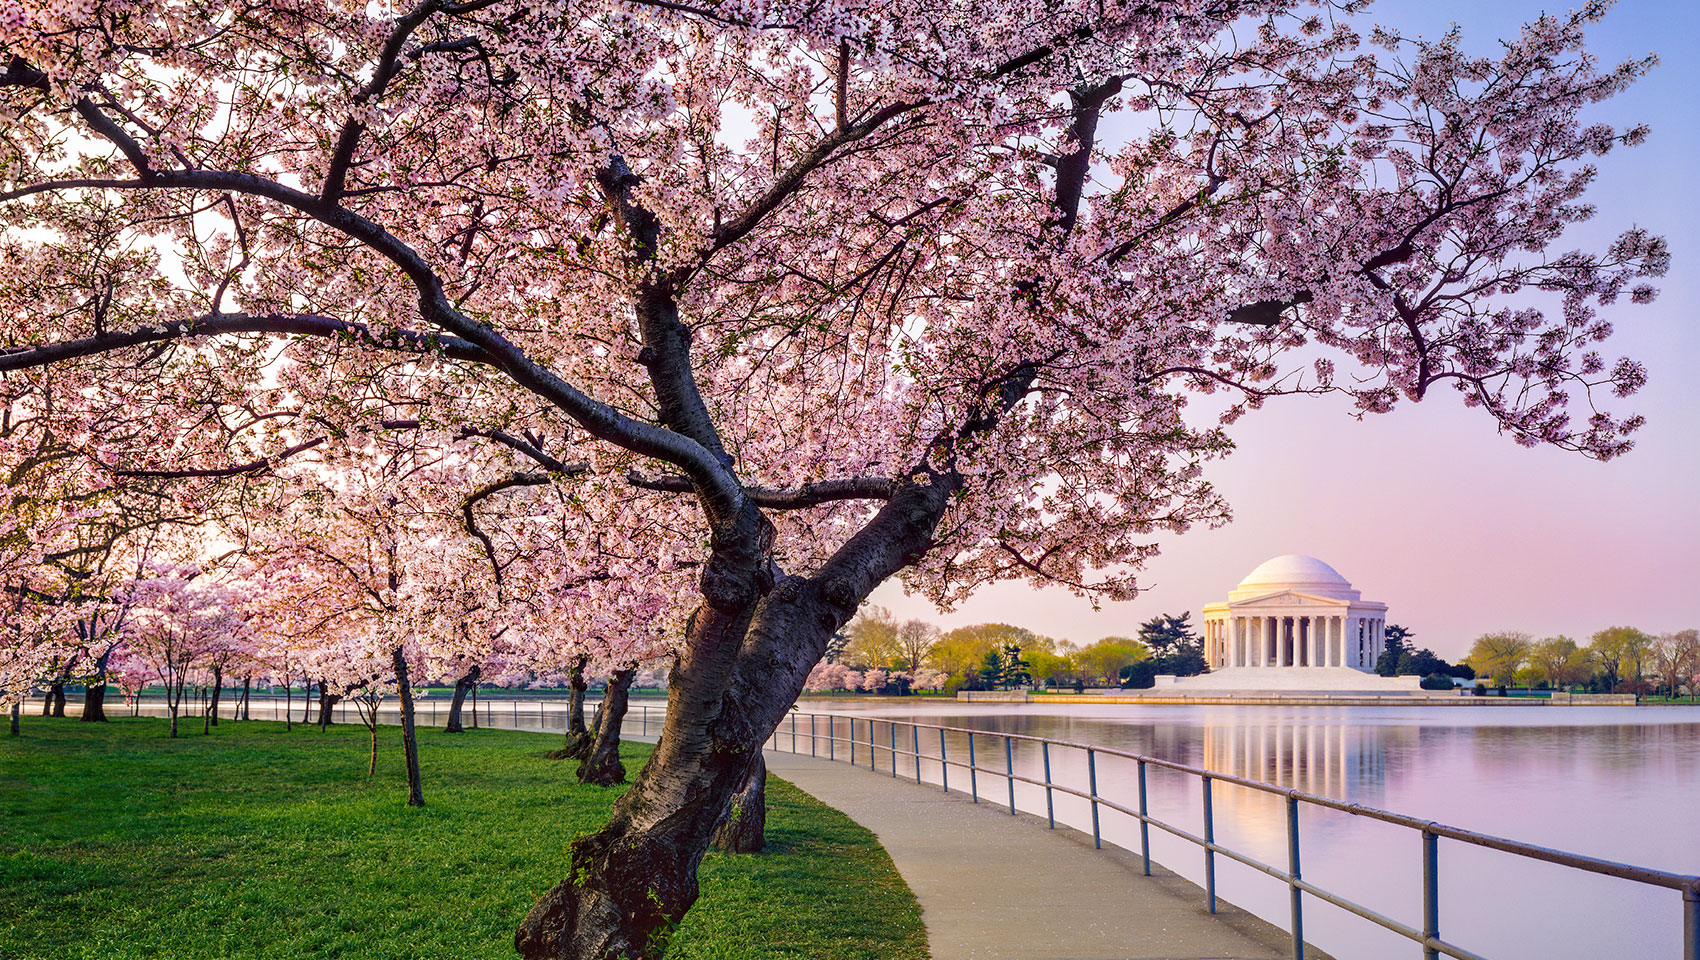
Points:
(1611, 782)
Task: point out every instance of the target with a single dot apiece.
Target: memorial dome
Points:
(1298, 573)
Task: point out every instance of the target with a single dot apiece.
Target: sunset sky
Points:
(1459, 530)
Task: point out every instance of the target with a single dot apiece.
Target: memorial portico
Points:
(1294, 612)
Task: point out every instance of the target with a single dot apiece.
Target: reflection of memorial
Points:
(1344, 761)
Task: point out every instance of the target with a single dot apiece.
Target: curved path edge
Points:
(995, 886)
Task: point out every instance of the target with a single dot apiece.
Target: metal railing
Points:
(828, 727)
(529, 713)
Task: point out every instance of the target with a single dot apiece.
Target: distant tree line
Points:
(913, 655)
(1615, 660)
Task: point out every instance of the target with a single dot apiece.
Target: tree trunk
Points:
(745, 828)
(748, 647)
(57, 695)
(217, 689)
(247, 685)
(94, 701)
(578, 740)
(288, 704)
(372, 726)
(409, 741)
(463, 686)
(475, 703)
(327, 705)
(601, 765)
(307, 703)
(16, 712)
(173, 700)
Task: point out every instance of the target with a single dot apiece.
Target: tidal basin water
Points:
(1621, 783)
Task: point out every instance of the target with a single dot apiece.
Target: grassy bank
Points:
(254, 842)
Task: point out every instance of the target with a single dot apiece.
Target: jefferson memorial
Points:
(1293, 623)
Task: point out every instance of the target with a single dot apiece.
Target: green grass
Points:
(117, 842)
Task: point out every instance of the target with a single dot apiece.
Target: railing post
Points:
(1009, 772)
(1209, 854)
(1092, 783)
(1691, 923)
(1050, 810)
(1293, 870)
(944, 764)
(812, 735)
(831, 737)
(916, 736)
(793, 731)
(852, 741)
(1431, 893)
(973, 770)
(1144, 826)
(891, 737)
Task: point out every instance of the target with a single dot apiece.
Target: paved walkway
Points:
(996, 886)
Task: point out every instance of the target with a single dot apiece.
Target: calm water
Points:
(1616, 782)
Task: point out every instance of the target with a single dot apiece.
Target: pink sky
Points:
(1459, 530)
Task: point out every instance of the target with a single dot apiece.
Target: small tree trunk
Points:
(247, 684)
(288, 704)
(217, 689)
(94, 701)
(463, 686)
(173, 699)
(409, 741)
(372, 726)
(307, 703)
(601, 765)
(578, 739)
(745, 828)
(327, 704)
(475, 703)
(16, 711)
(56, 696)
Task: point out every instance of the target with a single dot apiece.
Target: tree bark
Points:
(217, 689)
(56, 694)
(16, 712)
(173, 702)
(577, 742)
(463, 686)
(409, 741)
(247, 685)
(327, 704)
(745, 828)
(372, 727)
(601, 765)
(94, 701)
(307, 703)
(747, 649)
(288, 705)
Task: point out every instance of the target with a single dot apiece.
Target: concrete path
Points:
(996, 886)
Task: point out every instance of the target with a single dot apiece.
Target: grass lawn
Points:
(117, 842)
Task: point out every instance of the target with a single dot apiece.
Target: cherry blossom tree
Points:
(181, 622)
(919, 290)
